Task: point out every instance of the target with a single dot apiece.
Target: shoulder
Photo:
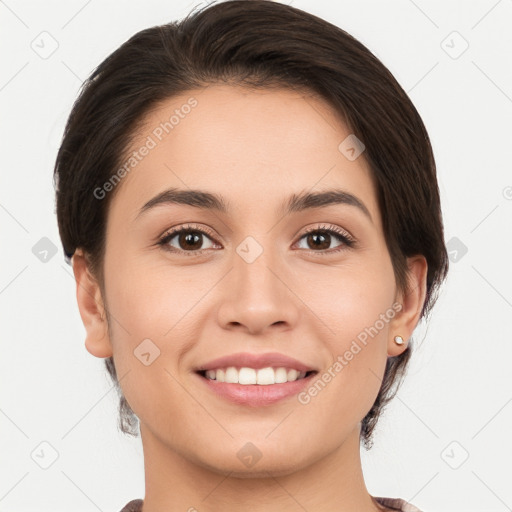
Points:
(397, 504)
(133, 506)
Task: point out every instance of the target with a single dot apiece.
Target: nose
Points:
(257, 295)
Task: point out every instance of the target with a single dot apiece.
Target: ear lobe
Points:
(91, 307)
(405, 321)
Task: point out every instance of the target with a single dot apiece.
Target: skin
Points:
(255, 148)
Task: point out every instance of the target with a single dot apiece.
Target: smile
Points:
(250, 376)
(247, 391)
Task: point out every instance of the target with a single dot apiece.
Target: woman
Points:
(250, 205)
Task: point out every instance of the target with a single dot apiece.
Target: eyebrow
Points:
(296, 203)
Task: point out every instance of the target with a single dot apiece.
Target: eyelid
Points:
(347, 239)
(172, 232)
(330, 228)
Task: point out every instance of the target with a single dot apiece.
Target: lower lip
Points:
(257, 395)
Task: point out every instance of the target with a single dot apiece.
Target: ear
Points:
(412, 300)
(91, 306)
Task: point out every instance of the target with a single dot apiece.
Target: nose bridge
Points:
(253, 262)
(257, 296)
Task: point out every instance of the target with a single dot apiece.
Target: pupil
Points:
(191, 239)
(316, 237)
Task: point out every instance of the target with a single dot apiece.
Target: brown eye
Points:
(186, 240)
(191, 240)
(320, 239)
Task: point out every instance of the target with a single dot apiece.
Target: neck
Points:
(334, 482)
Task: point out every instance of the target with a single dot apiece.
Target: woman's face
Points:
(248, 279)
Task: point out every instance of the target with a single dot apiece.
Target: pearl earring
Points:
(399, 340)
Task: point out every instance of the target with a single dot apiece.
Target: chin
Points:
(256, 457)
(265, 467)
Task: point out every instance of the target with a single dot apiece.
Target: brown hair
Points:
(255, 43)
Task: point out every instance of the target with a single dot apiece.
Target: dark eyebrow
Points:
(296, 203)
(308, 200)
(196, 198)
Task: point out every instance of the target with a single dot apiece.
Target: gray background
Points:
(444, 443)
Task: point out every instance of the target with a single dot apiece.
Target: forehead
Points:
(252, 146)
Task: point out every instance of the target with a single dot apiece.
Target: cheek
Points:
(151, 300)
(342, 394)
(349, 298)
(151, 329)
(354, 305)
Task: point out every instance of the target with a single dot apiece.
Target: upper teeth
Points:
(263, 376)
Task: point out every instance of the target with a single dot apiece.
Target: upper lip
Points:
(256, 361)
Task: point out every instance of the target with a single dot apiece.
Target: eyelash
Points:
(342, 235)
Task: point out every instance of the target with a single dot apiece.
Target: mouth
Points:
(253, 379)
(247, 376)
(253, 387)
